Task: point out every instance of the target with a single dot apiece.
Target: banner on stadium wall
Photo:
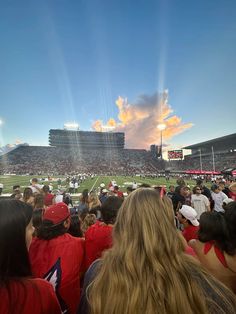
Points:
(202, 172)
(175, 154)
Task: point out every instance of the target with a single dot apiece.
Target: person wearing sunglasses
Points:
(199, 201)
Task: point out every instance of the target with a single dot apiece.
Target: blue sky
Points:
(69, 60)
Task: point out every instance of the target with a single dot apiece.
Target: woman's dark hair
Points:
(85, 194)
(46, 189)
(95, 211)
(230, 219)
(37, 219)
(188, 221)
(14, 259)
(75, 229)
(67, 199)
(47, 230)
(109, 209)
(38, 201)
(17, 186)
(213, 228)
(27, 194)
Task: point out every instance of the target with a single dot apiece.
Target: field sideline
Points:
(91, 184)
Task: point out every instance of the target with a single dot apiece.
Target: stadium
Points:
(217, 155)
(103, 153)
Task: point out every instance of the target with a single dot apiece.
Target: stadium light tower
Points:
(161, 127)
(72, 126)
(107, 128)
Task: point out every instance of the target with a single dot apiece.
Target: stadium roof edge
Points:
(84, 131)
(212, 141)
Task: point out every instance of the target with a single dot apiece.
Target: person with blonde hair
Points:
(232, 191)
(93, 200)
(147, 271)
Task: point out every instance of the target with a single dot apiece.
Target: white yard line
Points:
(94, 184)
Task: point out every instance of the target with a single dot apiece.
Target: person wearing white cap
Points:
(103, 195)
(187, 216)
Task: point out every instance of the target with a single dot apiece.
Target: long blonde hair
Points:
(93, 200)
(146, 270)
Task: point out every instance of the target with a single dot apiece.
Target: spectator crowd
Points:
(149, 250)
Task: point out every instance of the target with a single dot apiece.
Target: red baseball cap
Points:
(56, 213)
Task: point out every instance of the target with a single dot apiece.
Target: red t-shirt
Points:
(29, 296)
(48, 198)
(98, 238)
(190, 233)
(232, 195)
(60, 261)
(119, 194)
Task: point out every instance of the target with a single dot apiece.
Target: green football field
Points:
(91, 184)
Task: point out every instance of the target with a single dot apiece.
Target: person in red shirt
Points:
(117, 192)
(98, 237)
(19, 291)
(58, 257)
(187, 216)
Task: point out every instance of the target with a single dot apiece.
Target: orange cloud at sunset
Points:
(139, 120)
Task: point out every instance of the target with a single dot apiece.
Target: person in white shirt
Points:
(218, 197)
(199, 201)
(35, 187)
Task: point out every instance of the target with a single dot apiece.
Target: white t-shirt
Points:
(218, 199)
(200, 203)
(36, 188)
(59, 198)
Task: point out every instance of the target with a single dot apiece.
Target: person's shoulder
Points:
(195, 244)
(224, 195)
(36, 242)
(73, 241)
(94, 229)
(70, 238)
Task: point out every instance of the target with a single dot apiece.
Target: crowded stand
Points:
(60, 161)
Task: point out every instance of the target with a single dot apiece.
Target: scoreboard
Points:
(175, 154)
